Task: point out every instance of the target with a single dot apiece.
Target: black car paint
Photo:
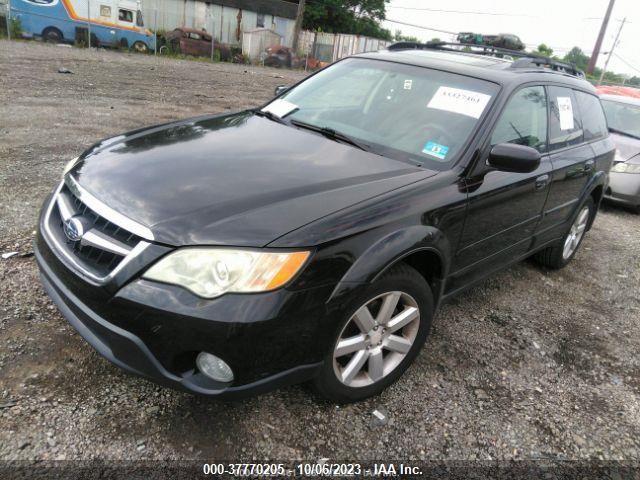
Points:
(280, 187)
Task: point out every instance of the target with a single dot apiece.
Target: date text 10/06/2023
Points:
(310, 469)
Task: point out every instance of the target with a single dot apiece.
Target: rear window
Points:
(594, 123)
(623, 117)
(565, 125)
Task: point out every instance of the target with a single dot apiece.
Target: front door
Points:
(504, 208)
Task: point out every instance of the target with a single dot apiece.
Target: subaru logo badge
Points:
(73, 229)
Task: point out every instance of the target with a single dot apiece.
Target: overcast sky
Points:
(561, 24)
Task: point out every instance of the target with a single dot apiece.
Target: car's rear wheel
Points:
(52, 35)
(380, 337)
(560, 254)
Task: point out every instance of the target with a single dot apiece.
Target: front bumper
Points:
(156, 331)
(624, 188)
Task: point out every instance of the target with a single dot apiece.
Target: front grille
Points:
(101, 244)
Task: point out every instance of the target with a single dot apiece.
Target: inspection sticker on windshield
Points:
(280, 108)
(566, 113)
(435, 150)
(464, 102)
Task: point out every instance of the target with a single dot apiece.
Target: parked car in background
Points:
(281, 56)
(315, 237)
(191, 41)
(67, 21)
(623, 118)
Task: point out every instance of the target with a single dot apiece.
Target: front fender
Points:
(391, 249)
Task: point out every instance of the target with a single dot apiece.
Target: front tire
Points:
(52, 35)
(379, 338)
(559, 255)
(140, 47)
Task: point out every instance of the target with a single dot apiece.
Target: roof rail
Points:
(524, 59)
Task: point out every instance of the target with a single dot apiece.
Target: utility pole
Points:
(603, 29)
(297, 27)
(615, 42)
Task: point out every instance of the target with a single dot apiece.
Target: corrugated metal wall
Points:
(226, 23)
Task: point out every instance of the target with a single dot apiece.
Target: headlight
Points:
(211, 272)
(69, 166)
(626, 168)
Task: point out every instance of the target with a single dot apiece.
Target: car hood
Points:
(627, 147)
(235, 179)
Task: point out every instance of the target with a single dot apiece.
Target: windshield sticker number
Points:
(408, 84)
(566, 113)
(435, 150)
(280, 108)
(464, 102)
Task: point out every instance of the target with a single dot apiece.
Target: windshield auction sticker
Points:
(464, 102)
(280, 108)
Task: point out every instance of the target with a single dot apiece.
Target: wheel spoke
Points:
(350, 345)
(388, 306)
(363, 319)
(354, 366)
(396, 343)
(583, 217)
(405, 317)
(376, 365)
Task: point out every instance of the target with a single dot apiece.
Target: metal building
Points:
(226, 20)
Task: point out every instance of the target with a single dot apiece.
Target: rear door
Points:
(505, 208)
(572, 160)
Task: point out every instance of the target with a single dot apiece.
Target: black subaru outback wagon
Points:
(315, 237)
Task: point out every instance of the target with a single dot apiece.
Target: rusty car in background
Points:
(191, 41)
(281, 56)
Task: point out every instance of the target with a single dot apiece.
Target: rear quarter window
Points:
(565, 125)
(594, 122)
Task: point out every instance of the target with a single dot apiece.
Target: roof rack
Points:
(520, 59)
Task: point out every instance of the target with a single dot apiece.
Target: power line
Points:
(626, 63)
(469, 12)
(421, 26)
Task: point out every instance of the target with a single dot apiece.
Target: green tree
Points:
(399, 37)
(544, 50)
(577, 57)
(360, 17)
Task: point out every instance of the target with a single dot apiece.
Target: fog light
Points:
(214, 367)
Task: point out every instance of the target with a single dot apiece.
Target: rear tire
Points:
(380, 343)
(561, 253)
(140, 47)
(52, 35)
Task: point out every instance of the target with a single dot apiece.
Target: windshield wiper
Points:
(627, 134)
(332, 134)
(270, 115)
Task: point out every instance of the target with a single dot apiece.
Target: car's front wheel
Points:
(380, 337)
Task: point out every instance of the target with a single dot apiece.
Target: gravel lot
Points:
(530, 364)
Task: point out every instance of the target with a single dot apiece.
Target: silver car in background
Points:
(623, 117)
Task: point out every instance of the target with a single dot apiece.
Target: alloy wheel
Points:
(376, 339)
(575, 234)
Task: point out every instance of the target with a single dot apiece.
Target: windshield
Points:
(622, 117)
(405, 112)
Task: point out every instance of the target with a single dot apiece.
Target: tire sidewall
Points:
(406, 280)
(591, 205)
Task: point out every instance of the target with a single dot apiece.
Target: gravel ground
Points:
(530, 364)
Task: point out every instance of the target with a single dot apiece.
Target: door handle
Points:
(588, 165)
(542, 181)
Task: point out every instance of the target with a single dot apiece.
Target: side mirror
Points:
(509, 157)
(280, 89)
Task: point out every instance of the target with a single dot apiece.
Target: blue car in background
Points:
(65, 21)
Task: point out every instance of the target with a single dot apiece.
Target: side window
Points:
(260, 20)
(524, 120)
(105, 11)
(125, 15)
(565, 126)
(594, 122)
